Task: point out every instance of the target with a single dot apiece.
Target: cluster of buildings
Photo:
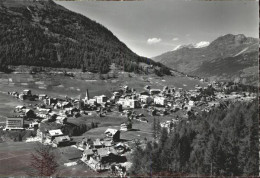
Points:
(104, 153)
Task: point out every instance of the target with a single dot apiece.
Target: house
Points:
(52, 134)
(19, 108)
(125, 126)
(97, 143)
(27, 92)
(101, 99)
(155, 91)
(66, 104)
(192, 103)
(61, 141)
(42, 96)
(34, 125)
(160, 101)
(61, 119)
(145, 99)
(121, 148)
(128, 103)
(113, 133)
(22, 96)
(91, 102)
(29, 113)
(87, 154)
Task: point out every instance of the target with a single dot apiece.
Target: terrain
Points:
(42, 33)
(229, 57)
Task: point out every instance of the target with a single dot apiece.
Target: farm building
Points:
(113, 133)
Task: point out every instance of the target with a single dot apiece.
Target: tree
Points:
(43, 161)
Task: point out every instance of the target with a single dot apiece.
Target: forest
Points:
(223, 142)
(48, 35)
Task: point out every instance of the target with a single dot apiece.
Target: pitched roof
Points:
(112, 131)
(56, 132)
(88, 152)
(62, 138)
(106, 151)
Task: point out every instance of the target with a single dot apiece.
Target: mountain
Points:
(42, 33)
(233, 57)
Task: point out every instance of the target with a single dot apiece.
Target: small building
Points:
(27, 92)
(155, 91)
(34, 125)
(146, 99)
(22, 96)
(19, 108)
(128, 103)
(61, 141)
(125, 126)
(52, 134)
(61, 119)
(113, 133)
(14, 124)
(42, 96)
(101, 99)
(160, 101)
(29, 113)
(87, 154)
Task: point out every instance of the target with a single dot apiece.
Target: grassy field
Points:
(15, 158)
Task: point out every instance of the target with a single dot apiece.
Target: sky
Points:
(152, 27)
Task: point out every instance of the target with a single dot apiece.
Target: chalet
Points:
(113, 133)
(27, 92)
(29, 113)
(87, 154)
(42, 96)
(128, 103)
(145, 99)
(160, 101)
(125, 126)
(66, 104)
(52, 134)
(61, 141)
(91, 102)
(155, 91)
(22, 96)
(19, 108)
(61, 119)
(97, 143)
(34, 125)
(101, 99)
(121, 148)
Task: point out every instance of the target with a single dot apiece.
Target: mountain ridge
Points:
(43, 33)
(236, 51)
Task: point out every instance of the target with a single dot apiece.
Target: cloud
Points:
(175, 39)
(202, 44)
(151, 41)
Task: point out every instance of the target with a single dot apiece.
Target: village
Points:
(137, 112)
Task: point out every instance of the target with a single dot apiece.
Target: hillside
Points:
(230, 56)
(42, 33)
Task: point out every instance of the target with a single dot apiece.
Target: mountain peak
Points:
(201, 44)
